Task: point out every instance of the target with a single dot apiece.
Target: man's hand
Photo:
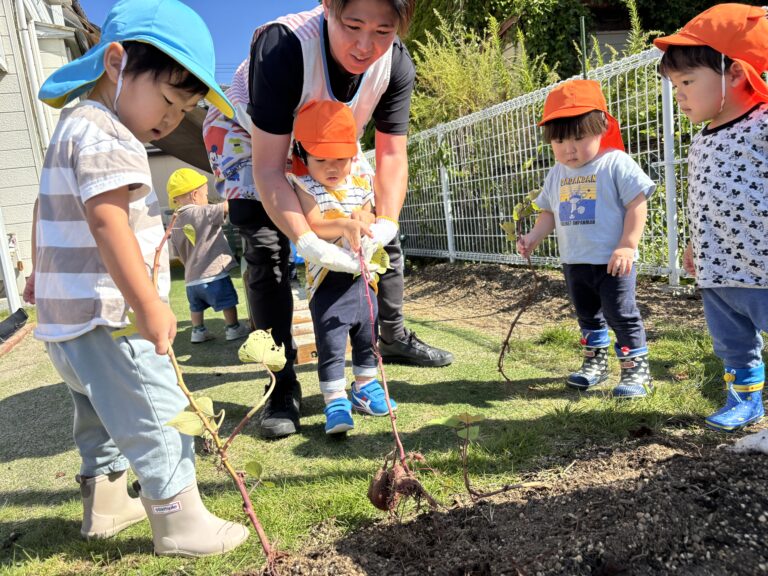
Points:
(325, 254)
(621, 262)
(29, 289)
(384, 230)
(155, 322)
(688, 262)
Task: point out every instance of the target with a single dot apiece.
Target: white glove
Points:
(327, 255)
(384, 230)
(369, 246)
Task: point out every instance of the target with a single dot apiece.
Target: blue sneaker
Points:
(338, 416)
(370, 399)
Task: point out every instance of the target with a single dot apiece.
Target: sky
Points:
(231, 23)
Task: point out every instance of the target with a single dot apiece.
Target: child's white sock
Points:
(335, 395)
(361, 382)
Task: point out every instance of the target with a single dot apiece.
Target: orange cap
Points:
(577, 97)
(737, 30)
(326, 129)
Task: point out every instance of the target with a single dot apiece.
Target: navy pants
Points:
(268, 283)
(339, 309)
(600, 299)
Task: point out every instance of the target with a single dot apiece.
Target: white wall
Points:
(20, 147)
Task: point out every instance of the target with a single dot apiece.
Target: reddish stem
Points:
(374, 344)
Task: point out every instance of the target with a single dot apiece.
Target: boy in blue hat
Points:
(98, 225)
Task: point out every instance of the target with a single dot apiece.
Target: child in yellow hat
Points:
(207, 260)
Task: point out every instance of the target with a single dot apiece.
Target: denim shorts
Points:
(219, 294)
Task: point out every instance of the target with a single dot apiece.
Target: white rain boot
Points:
(182, 526)
(107, 507)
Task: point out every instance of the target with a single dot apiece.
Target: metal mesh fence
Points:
(467, 175)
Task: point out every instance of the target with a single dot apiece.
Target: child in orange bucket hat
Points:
(338, 206)
(595, 199)
(714, 63)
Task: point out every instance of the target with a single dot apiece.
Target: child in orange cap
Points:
(595, 199)
(714, 64)
(337, 206)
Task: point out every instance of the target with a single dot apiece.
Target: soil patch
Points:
(651, 505)
(648, 507)
(487, 296)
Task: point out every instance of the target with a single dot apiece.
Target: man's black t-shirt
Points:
(276, 79)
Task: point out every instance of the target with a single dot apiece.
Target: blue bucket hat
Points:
(168, 25)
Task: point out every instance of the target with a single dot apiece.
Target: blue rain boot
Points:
(635, 379)
(744, 402)
(594, 367)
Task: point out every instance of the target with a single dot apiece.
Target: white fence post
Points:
(670, 181)
(447, 208)
(9, 274)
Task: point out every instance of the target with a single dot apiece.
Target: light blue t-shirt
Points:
(589, 205)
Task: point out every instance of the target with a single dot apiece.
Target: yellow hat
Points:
(182, 181)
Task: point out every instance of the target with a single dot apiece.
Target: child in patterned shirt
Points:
(714, 64)
(337, 206)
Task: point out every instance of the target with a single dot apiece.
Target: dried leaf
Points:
(189, 232)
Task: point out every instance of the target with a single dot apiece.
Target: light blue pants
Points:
(123, 394)
(735, 317)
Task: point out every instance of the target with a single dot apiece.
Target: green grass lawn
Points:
(316, 480)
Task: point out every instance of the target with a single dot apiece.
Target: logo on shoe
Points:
(169, 508)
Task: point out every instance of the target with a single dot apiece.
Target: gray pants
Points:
(124, 393)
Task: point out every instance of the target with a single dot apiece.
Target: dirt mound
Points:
(486, 296)
(647, 507)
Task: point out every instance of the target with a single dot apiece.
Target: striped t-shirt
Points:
(339, 202)
(91, 152)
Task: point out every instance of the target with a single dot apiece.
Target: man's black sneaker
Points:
(280, 415)
(411, 350)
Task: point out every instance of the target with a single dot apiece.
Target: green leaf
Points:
(187, 422)
(259, 347)
(254, 468)
(472, 431)
(268, 484)
(206, 405)
(128, 330)
(510, 229)
(468, 419)
(381, 258)
(450, 421)
(189, 232)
